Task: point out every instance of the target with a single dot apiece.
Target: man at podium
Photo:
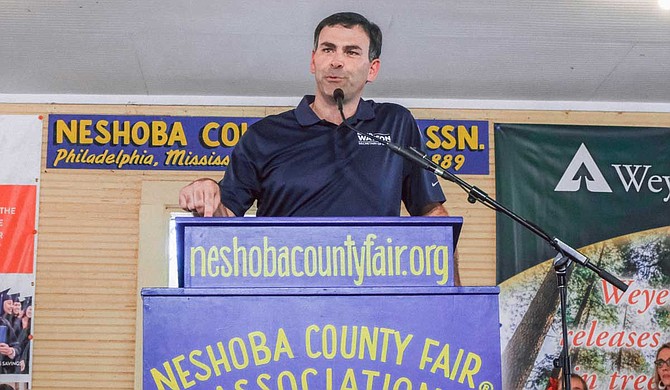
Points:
(305, 162)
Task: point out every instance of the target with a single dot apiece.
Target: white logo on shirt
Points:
(367, 140)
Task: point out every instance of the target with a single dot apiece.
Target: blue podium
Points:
(318, 303)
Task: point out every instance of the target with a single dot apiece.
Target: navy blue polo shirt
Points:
(296, 164)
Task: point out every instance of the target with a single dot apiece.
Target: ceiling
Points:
(499, 50)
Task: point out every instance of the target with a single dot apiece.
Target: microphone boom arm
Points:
(475, 194)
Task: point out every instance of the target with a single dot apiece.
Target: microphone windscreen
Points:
(338, 94)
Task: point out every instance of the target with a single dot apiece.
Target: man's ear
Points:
(374, 70)
(312, 67)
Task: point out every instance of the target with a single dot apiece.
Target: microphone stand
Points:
(565, 254)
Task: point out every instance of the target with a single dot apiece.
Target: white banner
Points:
(20, 161)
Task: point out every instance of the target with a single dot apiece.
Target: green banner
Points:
(604, 191)
(582, 184)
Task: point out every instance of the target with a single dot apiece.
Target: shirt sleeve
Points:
(240, 185)
(420, 186)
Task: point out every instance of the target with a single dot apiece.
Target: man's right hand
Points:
(203, 198)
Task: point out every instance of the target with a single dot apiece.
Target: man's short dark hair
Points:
(349, 20)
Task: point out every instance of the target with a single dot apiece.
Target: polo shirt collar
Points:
(306, 116)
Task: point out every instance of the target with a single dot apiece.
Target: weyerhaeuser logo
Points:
(633, 177)
(592, 177)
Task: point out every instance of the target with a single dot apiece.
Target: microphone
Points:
(411, 153)
(338, 95)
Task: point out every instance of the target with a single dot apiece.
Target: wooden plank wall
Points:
(87, 255)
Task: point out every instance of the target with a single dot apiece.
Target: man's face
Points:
(8, 306)
(341, 61)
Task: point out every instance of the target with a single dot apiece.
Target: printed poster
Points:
(20, 140)
(605, 191)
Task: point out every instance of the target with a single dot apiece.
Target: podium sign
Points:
(425, 338)
(325, 252)
(322, 304)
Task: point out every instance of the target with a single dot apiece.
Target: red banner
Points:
(17, 228)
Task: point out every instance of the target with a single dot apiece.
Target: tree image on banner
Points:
(613, 335)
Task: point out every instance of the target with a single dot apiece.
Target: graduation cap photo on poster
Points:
(4, 296)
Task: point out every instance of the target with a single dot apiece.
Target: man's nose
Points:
(336, 61)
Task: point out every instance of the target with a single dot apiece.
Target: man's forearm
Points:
(434, 210)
